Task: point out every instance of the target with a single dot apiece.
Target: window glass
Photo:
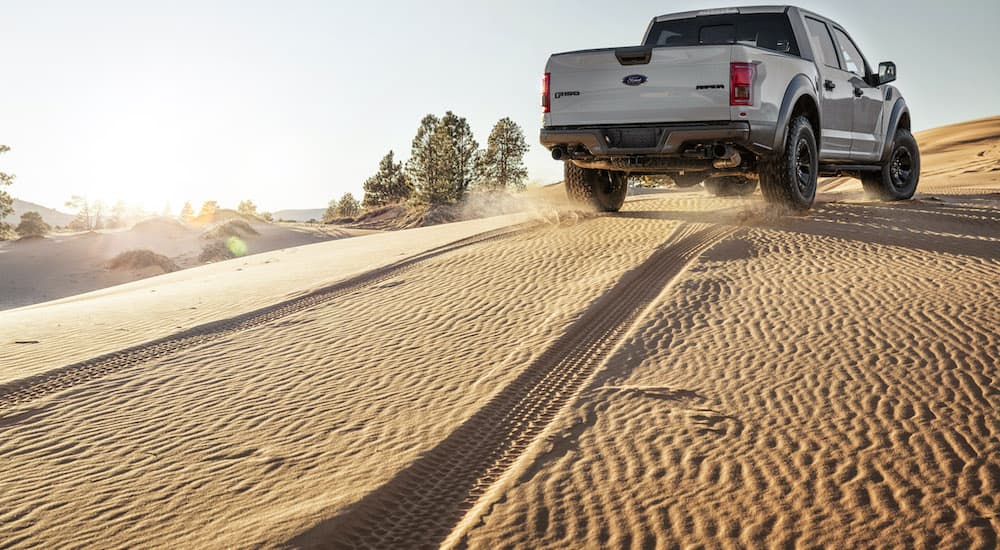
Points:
(770, 31)
(852, 57)
(718, 34)
(819, 37)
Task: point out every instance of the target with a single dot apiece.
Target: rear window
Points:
(770, 31)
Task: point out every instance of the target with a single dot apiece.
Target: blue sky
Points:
(292, 103)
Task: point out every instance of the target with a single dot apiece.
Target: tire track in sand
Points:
(28, 389)
(419, 507)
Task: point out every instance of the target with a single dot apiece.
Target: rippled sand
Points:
(691, 371)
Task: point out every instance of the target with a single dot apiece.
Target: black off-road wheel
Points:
(730, 186)
(602, 189)
(898, 178)
(790, 178)
(687, 180)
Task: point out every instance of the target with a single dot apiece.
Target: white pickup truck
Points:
(731, 97)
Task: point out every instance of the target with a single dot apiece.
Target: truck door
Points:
(836, 94)
(866, 130)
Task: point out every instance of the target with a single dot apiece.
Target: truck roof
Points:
(737, 10)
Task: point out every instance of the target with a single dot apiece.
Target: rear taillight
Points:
(545, 93)
(741, 83)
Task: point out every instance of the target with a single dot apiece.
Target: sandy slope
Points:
(63, 265)
(692, 371)
(962, 157)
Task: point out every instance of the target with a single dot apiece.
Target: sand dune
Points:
(963, 156)
(63, 265)
(693, 371)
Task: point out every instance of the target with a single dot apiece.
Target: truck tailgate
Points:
(680, 84)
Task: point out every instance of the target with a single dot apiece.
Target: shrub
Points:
(138, 259)
(220, 250)
(231, 228)
(32, 225)
(215, 251)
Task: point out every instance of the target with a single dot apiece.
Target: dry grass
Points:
(215, 251)
(230, 228)
(139, 259)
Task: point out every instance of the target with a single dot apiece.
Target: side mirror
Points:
(886, 72)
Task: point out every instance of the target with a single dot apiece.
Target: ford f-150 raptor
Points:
(729, 97)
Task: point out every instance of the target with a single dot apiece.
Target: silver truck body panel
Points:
(856, 120)
(587, 87)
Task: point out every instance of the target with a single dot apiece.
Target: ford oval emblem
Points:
(634, 80)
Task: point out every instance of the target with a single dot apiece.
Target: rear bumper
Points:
(645, 139)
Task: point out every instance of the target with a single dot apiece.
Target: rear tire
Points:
(730, 186)
(602, 189)
(898, 178)
(790, 178)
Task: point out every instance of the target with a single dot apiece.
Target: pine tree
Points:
(208, 209)
(443, 159)
(247, 208)
(439, 187)
(423, 163)
(32, 225)
(348, 207)
(98, 210)
(332, 212)
(187, 213)
(502, 165)
(389, 185)
(82, 206)
(6, 201)
(461, 153)
(119, 215)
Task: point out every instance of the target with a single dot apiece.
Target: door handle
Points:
(858, 92)
(829, 85)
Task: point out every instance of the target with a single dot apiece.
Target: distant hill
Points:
(51, 216)
(300, 215)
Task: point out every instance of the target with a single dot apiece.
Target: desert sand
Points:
(692, 371)
(66, 264)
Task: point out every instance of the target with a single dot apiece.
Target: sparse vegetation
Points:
(140, 259)
(331, 212)
(32, 225)
(208, 209)
(230, 228)
(187, 212)
(82, 222)
(247, 208)
(223, 249)
(501, 166)
(98, 210)
(389, 185)
(443, 159)
(445, 164)
(346, 209)
(6, 201)
(348, 206)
